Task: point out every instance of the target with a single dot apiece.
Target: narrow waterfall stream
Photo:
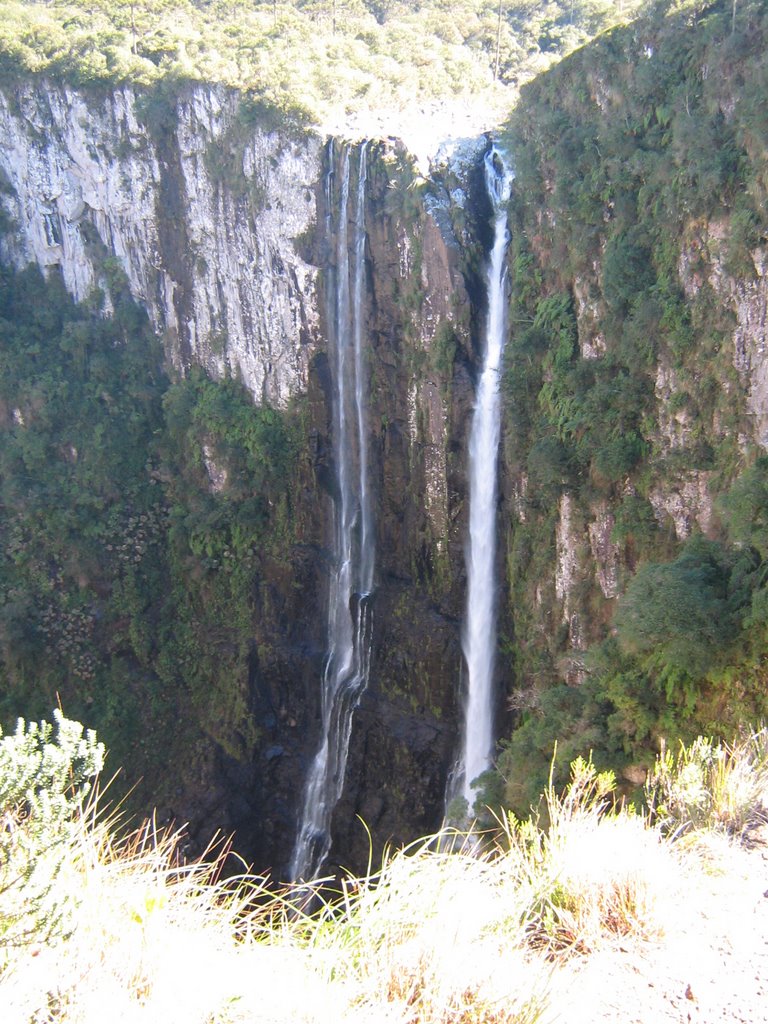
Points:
(479, 635)
(349, 603)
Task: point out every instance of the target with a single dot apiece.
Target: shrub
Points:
(550, 464)
(712, 785)
(634, 520)
(618, 456)
(628, 268)
(746, 507)
(43, 779)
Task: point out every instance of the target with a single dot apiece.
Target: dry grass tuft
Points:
(712, 785)
(433, 937)
(597, 872)
(155, 940)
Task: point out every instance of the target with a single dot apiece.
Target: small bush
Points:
(43, 779)
(628, 268)
(712, 785)
(679, 609)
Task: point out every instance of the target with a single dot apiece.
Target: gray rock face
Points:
(703, 261)
(202, 217)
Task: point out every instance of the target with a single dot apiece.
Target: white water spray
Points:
(479, 637)
(349, 604)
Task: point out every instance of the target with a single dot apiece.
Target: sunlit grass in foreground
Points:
(449, 930)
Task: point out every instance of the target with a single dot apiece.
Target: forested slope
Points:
(137, 517)
(308, 60)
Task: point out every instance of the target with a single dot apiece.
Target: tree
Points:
(498, 44)
(679, 610)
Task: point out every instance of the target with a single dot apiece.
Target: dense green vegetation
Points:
(641, 177)
(309, 58)
(137, 515)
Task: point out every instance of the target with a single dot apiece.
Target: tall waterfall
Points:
(349, 605)
(479, 636)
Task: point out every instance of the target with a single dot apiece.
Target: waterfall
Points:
(347, 665)
(479, 635)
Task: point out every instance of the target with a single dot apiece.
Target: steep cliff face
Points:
(419, 349)
(201, 214)
(404, 735)
(634, 416)
(201, 217)
(743, 293)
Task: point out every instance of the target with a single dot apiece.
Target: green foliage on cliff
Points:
(639, 213)
(745, 507)
(306, 58)
(137, 515)
(679, 610)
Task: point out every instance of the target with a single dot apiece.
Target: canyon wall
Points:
(634, 396)
(218, 227)
(201, 214)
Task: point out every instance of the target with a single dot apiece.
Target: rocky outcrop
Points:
(704, 262)
(605, 551)
(686, 502)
